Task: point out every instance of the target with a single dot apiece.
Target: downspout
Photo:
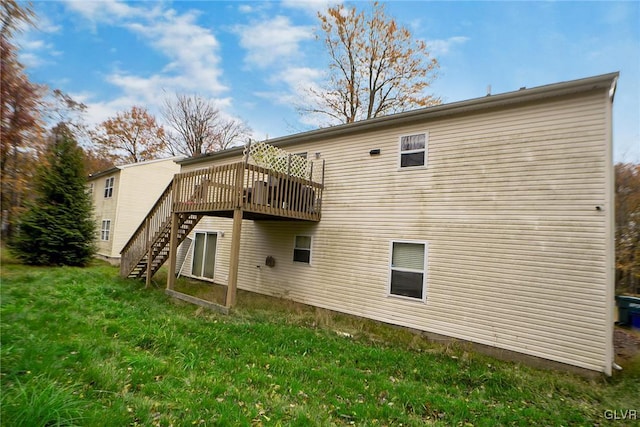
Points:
(610, 255)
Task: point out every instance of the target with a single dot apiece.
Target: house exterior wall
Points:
(105, 208)
(144, 183)
(137, 186)
(519, 257)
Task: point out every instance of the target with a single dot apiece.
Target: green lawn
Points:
(83, 347)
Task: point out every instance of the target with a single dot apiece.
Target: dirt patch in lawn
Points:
(626, 343)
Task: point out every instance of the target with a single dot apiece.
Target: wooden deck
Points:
(260, 193)
(238, 190)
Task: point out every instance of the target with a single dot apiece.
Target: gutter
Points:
(114, 169)
(604, 81)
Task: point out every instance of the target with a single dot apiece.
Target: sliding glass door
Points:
(204, 254)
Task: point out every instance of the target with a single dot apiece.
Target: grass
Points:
(84, 347)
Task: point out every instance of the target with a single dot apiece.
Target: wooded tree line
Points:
(627, 211)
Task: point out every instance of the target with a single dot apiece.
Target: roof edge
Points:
(603, 81)
(116, 168)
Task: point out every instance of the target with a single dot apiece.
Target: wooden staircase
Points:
(237, 190)
(160, 246)
(150, 242)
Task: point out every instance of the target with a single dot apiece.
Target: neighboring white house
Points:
(488, 220)
(122, 196)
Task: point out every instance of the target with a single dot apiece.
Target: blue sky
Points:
(255, 59)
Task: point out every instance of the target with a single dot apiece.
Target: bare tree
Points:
(198, 127)
(376, 67)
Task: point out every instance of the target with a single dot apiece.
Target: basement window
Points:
(105, 230)
(302, 249)
(108, 187)
(413, 150)
(407, 276)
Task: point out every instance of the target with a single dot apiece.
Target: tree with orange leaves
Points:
(376, 67)
(20, 117)
(130, 137)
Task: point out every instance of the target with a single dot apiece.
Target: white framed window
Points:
(413, 150)
(108, 187)
(105, 230)
(203, 263)
(408, 269)
(302, 249)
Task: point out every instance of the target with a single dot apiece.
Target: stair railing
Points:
(158, 218)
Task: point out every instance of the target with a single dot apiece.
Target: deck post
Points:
(173, 249)
(234, 258)
(247, 151)
(147, 225)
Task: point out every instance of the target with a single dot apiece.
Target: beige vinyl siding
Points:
(223, 227)
(141, 185)
(105, 208)
(507, 203)
(136, 188)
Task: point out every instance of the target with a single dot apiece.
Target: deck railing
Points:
(252, 188)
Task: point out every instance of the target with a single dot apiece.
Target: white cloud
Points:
(300, 78)
(33, 51)
(44, 25)
(442, 47)
(310, 6)
(31, 60)
(191, 51)
(256, 7)
(298, 82)
(105, 11)
(268, 42)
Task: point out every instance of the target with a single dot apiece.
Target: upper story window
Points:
(90, 189)
(108, 187)
(413, 150)
(302, 249)
(408, 269)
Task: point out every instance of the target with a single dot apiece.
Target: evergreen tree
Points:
(58, 228)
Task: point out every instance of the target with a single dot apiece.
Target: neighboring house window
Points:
(204, 254)
(407, 277)
(302, 249)
(413, 150)
(108, 187)
(106, 228)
